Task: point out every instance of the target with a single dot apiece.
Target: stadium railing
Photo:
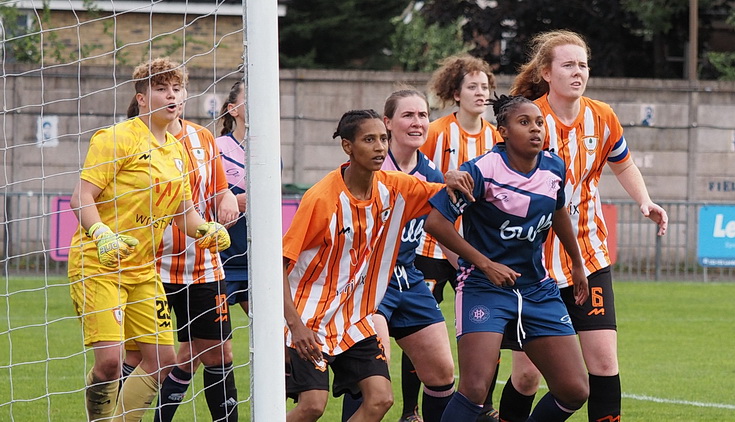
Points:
(34, 224)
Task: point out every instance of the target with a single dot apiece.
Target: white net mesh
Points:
(66, 70)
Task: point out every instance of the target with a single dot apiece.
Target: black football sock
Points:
(514, 406)
(127, 369)
(410, 386)
(221, 392)
(605, 397)
(435, 400)
(350, 404)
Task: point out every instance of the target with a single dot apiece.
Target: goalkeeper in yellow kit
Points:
(133, 184)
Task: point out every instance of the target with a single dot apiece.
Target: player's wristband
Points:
(97, 229)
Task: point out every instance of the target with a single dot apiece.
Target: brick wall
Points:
(208, 41)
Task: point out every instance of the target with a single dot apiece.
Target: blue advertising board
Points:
(716, 245)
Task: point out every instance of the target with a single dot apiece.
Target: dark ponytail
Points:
(350, 122)
(133, 110)
(228, 122)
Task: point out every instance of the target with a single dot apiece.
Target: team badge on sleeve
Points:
(461, 203)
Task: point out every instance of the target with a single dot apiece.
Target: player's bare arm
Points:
(304, 340)
(631, 179)
(562, 225)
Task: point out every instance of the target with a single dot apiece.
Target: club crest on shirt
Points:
(179, 164)
(554, 184)
(590, 143)
(384, 215)
(198, 153)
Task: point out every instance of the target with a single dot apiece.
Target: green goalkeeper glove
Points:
(111, 247)
(213, 236)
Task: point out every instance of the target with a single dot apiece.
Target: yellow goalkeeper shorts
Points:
(112, 310)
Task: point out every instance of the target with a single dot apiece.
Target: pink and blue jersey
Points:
(235, 258)
(512, 214)
(405, 273)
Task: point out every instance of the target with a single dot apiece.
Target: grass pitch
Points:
(676, 343)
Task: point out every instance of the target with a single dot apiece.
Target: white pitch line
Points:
(684, 402)
(660, 400)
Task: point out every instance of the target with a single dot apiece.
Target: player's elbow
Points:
(433, 223)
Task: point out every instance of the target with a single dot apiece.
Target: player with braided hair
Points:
(409, 313)
(466, 82)
(502, 282)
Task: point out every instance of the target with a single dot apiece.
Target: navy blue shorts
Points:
(536, 310)
(414, 307)
(238, 291)
(363, 360)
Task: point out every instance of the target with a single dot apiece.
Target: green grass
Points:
(676, 343)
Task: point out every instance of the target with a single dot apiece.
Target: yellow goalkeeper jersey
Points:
(143, 183)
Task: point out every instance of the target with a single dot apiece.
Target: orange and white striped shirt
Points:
(595, 138)
(343, 250)
(180, 261)
(448, 146)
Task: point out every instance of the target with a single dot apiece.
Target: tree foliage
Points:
(20, 41)
(338, 34)
(724, 61)
(630, 38)
(24, 42)
(418, 46)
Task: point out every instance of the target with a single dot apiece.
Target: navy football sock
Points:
(172, 394)
(460, 408)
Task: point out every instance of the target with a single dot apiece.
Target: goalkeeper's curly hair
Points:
(159, 70)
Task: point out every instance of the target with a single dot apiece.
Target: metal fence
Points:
(642, 255)
(25, 238)
(28, 233)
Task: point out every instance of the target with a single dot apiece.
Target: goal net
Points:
(66, 73)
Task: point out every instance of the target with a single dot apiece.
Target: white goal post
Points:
(65, 73)
(264, 187)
